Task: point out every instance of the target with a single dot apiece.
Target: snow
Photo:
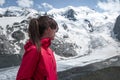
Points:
(78, 32)
(10, 20)
(96, 56)
(8, 73)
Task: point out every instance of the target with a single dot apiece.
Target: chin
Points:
(52, 39)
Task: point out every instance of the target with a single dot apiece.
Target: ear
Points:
(49, 29)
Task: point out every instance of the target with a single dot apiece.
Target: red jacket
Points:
(38, 66)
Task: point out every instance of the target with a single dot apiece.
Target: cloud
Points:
(109, 5)
(46, 6)
(25, 3)
(2, 2)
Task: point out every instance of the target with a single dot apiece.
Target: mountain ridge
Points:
(84, 35)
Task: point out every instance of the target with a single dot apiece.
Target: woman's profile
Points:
(38, 62)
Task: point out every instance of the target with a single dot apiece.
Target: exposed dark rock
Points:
(16, 26)
(64, 26)
(116, 28)
(1, 15)
(8, 57)
(5, 46)
(25, 29)
(90, 26)
(105, 70)
(9, 29)
(9, 60)
(24, 21)
(70, 14)
(65, 36)
(63, 48)
(111, 73)
(9, 13)
(16, 23)
(16, 12)
(1, 28)
(18, 35)
(86, 20)
(106, 17)
(97, 42)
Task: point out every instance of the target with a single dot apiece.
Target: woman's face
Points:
(50, 33)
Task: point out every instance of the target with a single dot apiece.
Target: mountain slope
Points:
(84, 35)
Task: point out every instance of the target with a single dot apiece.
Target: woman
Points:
(38, 61)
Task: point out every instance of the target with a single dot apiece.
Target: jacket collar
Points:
(45, 42)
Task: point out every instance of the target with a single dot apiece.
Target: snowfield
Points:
(90, 30)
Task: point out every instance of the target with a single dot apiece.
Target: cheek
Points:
(51, 34)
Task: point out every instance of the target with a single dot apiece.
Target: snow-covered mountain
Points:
(88, 33)
(14, 11)
(85, 36)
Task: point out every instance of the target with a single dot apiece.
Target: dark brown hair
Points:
(37, 27)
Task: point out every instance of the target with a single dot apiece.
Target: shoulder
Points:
(29, 46)
(31, 51)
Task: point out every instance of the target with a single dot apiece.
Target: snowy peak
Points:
(71, 9)
(77, 25)
(76, 9)
(14, 11)
(80, 13)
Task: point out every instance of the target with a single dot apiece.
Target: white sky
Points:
(104, 5)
